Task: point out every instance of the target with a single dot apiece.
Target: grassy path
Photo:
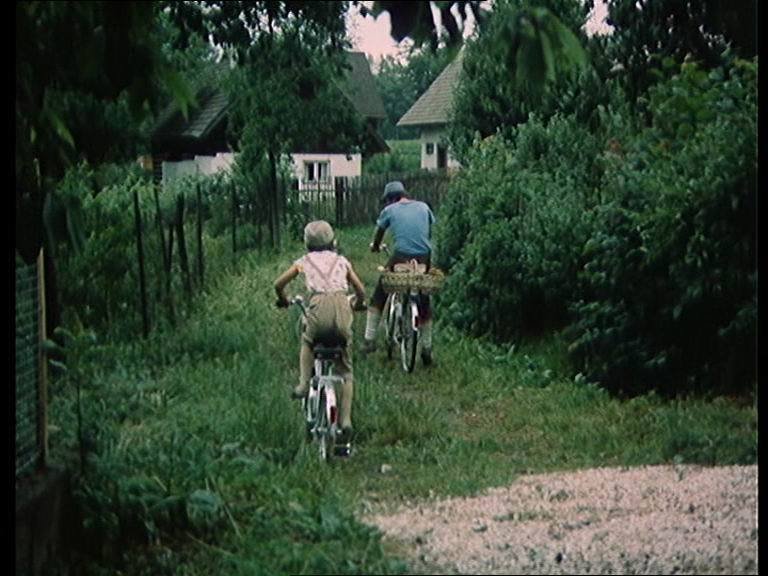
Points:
(203, 455)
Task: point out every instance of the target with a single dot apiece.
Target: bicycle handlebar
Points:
(298, 300)
(382, 247)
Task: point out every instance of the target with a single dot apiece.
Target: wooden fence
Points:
(357, 200)
(344, 202)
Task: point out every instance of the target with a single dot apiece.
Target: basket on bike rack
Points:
(411, 276)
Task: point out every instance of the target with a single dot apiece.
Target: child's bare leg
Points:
(305, 369)
(344, 369)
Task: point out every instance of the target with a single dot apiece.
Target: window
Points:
(316, 172)
(430, 147)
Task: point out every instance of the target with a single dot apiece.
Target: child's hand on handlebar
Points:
(282, 303)
(358, 304)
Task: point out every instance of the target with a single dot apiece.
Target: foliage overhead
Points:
(413, 19)
(646, 33)
(527, 57)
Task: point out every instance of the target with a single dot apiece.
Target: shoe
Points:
(343, 446)
(298, 393)
(345, 436)
(369, 346)
(426, 357)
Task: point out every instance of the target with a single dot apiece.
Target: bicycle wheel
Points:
(390, 324)
(323, 429)
(410, 335)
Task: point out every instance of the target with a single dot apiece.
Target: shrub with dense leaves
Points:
(512, 228)
(669, 283)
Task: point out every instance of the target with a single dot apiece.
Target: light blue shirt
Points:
(410, 223)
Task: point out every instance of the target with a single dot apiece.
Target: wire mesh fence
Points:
(29, 411)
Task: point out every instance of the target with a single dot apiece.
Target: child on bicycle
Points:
(328, 320)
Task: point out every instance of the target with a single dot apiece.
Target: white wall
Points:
(200, 165)
(340, 165)
(434, 136)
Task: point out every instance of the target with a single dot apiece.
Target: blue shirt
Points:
(410, 223)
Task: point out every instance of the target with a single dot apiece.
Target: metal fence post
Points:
(42, 412)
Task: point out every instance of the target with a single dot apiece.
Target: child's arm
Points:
(282, 281)
(357, 284)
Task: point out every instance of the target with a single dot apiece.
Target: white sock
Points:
(425, 335)
(371, 324)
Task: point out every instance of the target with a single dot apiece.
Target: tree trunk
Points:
(275, 198)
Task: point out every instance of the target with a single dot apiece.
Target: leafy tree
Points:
(524, 56)
(648, 33)
(289, 55)
(401, 84)
(82, 70)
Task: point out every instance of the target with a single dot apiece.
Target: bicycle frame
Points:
(320, 406)
(401, 324)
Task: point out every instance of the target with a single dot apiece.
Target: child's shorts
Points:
(329, 319)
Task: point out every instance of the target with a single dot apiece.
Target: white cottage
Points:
(431, 113)
(198, 144)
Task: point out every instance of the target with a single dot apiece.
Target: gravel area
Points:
(650, 520)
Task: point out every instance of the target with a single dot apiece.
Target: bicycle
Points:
(319, 406)
(401, 311)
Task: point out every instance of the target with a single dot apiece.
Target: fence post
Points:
(182, 244)
(142, 279)
(167, 250)
(339, 193)
(234, 220)
(42, 412)
(200, 260)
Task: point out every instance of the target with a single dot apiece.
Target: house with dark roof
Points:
(198, 143)
(431, 113)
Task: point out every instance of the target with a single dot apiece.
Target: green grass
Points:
(201, 468)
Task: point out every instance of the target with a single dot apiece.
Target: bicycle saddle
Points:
(326, 352)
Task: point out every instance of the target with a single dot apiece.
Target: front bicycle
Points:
(404, 285)
(320, 405)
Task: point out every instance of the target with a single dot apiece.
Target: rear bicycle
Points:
(321, 407)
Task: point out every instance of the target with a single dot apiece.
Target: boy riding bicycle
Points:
(329, 313)
(410, 222)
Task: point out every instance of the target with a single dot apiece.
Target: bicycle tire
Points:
(410, 336)
(323, 430)
(390, 325)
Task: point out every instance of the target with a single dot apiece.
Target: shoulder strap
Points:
(324, 276)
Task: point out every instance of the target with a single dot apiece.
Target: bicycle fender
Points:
(330, 404)
(414, 316)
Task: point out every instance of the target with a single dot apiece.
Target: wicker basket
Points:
(401, 281)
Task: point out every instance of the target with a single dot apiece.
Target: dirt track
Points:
(652, 520)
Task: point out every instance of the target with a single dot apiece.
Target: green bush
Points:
(512, 228)
(669, 283)
(98, 267)
(405, 156)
